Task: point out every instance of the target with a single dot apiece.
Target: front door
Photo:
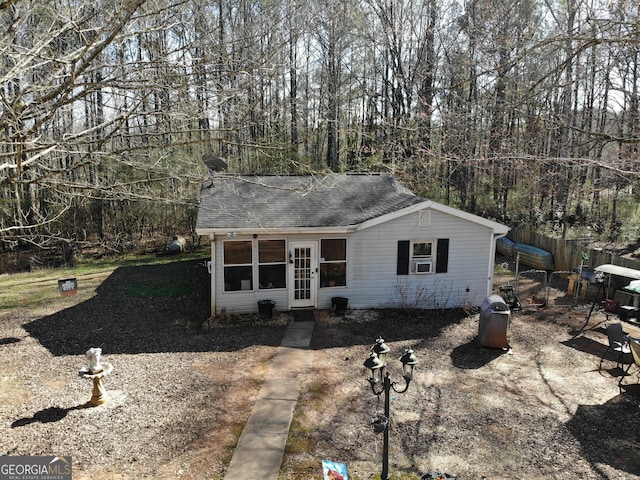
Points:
(303, 273)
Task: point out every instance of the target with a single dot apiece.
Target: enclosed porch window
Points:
(238, 265)
(272, 264)
(333, 262)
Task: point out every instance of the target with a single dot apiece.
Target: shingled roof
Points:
(299, 201)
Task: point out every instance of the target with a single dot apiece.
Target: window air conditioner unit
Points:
(422, 266)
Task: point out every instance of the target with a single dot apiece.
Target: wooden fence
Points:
(567, 254)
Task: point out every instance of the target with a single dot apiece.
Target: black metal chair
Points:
(634, 344)
(618, 342)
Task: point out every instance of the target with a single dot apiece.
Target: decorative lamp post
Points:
(380, 382)
(381, 350)
(409, 361)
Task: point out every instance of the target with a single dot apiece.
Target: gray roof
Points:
(299, 201)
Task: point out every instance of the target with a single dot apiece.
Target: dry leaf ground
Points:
(179, 399)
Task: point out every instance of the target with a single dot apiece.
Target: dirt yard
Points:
(179, 399)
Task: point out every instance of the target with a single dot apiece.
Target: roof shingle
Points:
(280, 202)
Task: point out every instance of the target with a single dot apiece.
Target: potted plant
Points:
(265, 308)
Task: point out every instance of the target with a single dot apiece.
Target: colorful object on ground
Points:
(334, 470)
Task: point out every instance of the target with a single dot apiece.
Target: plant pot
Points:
(379, 423)
(339, 305)
(265, 308)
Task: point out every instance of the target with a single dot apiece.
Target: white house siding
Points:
(372, 278)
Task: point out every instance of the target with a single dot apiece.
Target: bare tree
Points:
(525, 111)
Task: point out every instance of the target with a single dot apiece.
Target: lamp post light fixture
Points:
(380, 382)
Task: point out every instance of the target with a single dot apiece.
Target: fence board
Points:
(567, 254)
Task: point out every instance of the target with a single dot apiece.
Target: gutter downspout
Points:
(490, 273)
(212, 238)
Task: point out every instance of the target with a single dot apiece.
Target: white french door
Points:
(303, 273)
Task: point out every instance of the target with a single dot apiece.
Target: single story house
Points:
(301, 240)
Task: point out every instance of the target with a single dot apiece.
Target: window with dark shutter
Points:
(415, 256)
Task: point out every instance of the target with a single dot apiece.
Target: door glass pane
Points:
(302, 273)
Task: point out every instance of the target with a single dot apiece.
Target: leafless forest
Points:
(112, 112)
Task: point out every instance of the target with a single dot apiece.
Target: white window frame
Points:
(336, 262)
(226, 265)
(259, 264)
(420, 261)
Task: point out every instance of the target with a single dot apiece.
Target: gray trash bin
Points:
(495, 322)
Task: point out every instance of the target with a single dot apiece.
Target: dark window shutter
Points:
(403, 257)
(442, 255)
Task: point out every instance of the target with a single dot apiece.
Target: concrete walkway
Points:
(260, 448)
